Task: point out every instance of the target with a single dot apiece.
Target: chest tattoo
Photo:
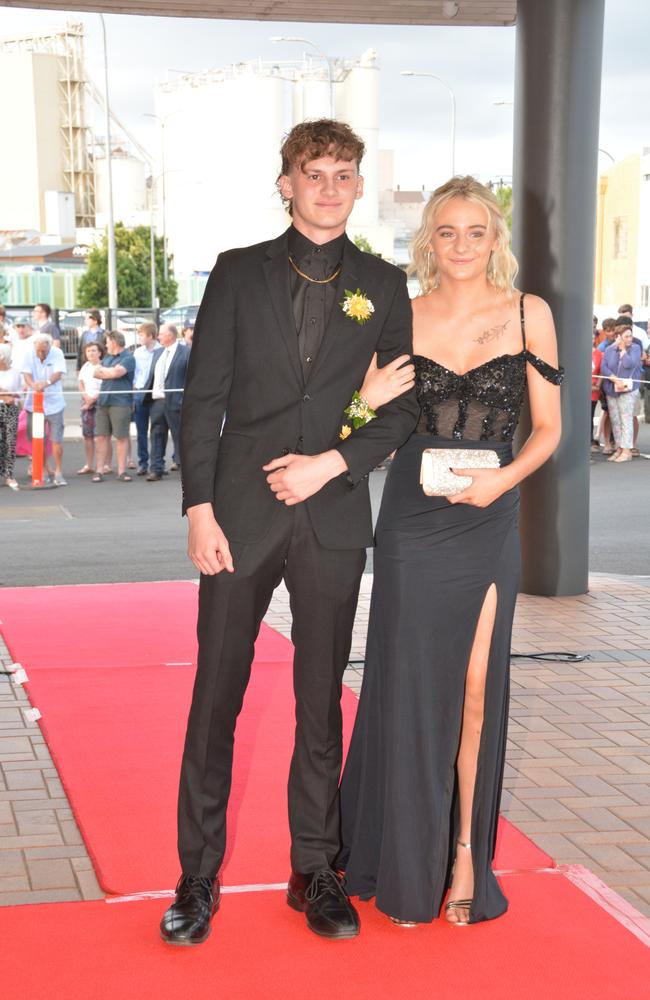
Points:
(493, 333)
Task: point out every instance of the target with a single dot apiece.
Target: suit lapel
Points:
(154, 361)
(276, 272)
(170, 367)
(178, 354)
(338, 323)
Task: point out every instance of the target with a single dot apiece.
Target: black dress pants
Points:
(163, 420)
(323, 585)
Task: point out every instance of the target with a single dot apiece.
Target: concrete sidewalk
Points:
(578, 766)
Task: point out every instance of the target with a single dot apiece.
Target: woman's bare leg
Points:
(462, 886)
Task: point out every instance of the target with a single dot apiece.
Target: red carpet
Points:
(114, 720)
(154, 623)
(116, 734)
(553, 942)
(117, 741)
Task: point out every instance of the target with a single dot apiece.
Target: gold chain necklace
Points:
(314, 281)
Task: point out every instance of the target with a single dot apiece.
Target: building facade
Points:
(622, 267)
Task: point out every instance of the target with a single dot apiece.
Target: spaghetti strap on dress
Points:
(434, 563)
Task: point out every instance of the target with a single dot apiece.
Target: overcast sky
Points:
(477, 63)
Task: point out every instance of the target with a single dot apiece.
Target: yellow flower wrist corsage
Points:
(359, 413)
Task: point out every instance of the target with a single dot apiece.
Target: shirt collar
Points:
(301, 248)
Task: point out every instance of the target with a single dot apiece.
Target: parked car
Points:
(128, 321)
(181, 316)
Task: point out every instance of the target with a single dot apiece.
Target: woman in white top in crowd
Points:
(90, 387)
(9, 411)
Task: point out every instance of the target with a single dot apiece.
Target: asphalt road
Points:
(113, 531)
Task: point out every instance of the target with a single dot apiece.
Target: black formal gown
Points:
(433, 565)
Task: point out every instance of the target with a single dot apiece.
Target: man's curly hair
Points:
(310, 140)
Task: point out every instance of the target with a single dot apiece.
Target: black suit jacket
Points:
(174, 379)
(245, 364)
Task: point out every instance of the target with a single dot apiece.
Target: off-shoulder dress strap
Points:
(551, 374)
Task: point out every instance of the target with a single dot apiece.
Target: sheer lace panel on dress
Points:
(484, 403)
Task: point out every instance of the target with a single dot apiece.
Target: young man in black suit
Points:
(279, 493)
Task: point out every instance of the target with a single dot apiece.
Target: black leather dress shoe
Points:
(320, 896)
(187, 921)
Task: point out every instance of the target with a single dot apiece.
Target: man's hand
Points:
(294, 478)
(207, 546)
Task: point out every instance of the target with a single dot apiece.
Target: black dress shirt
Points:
(312, 303)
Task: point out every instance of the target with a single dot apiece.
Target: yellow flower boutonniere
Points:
(357, 306)
(346, 430)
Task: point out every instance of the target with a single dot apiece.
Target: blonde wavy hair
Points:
(503, 266)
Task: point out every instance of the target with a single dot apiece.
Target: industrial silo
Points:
(129, 188)
(221, 132)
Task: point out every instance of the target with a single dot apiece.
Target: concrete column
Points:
(557, 105)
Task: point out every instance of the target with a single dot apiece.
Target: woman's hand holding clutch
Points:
(381, 385)
(486, 487)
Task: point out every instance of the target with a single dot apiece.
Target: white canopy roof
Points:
(470, 12)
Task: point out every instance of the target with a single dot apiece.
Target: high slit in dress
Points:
(434, 563)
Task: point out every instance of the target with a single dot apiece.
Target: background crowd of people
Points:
(620, 376)
(116, 386)
(119, 386)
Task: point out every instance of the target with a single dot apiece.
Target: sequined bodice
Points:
(483, 404)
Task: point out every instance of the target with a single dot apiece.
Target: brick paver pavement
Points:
(578, 767)
(42, 855)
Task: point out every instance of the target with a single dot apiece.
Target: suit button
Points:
(306, 398)
(285, 451)
(300, 439)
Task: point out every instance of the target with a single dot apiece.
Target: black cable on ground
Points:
(553, 657)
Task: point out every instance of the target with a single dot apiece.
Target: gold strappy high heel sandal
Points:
(404, 923)
(459, 904)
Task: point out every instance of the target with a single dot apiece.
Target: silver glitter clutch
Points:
(436, 477)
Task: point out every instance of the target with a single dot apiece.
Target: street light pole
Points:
(308, 41)
(162, 121)
(152, 249)
(432, 76)
(164, 205)
(112, 256)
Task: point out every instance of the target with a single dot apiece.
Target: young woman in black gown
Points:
(422, 783)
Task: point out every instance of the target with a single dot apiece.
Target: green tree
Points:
(4, 287)
(504, 197)
(363, 243)
(133, 252)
